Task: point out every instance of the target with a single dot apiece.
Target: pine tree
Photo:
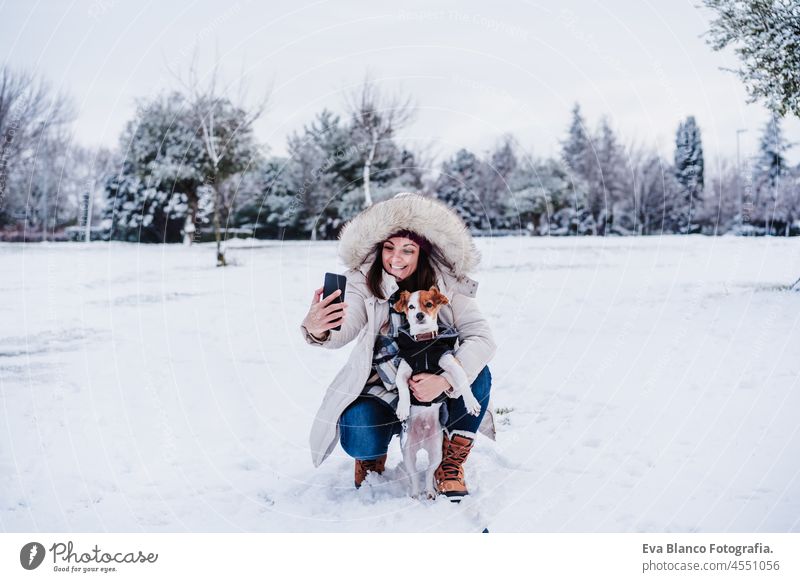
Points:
(161, 178)
(497, 189)
(323, 167)
(608, 182)
(459, 185)
(577, 153)
(539, 188)
(576, 150)
(138, 213)
(773, 200)
(266, 202)
(771, 163)
(688, 172)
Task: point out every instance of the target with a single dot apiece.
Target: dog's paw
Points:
(474, 409)
(403, 411)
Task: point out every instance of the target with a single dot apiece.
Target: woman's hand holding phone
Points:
(324, 314)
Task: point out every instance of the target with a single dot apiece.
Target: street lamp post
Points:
(739, 176)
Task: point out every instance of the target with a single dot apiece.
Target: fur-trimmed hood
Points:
(425, 216)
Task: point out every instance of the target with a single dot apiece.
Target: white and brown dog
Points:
(426, 348)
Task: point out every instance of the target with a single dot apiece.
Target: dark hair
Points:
(424, 277)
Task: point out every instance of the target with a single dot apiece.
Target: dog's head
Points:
(421, 307)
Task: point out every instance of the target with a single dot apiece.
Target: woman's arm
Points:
(476, 342)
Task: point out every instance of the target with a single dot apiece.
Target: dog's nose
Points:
(420, 316)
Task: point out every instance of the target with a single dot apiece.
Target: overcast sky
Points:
(475, 72)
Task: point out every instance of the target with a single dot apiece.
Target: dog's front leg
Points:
(449, 364)
(403, 391)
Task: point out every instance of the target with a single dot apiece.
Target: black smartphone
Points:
(332, 283)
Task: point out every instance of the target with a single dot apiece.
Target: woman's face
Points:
(400, 256)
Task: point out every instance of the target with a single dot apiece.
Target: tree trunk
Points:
(189, 227)
(367, 195)
(217, 234)
(367, 168)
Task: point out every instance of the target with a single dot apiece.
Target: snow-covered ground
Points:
(644, 384)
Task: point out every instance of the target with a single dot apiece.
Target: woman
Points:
(409, 242)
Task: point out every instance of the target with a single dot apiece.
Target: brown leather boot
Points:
(364, 467)
(450, 473)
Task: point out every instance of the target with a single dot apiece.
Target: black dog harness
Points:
(423, 352)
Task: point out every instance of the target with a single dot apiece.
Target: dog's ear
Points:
(402, 303)
(438, 297)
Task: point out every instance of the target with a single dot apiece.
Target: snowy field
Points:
(644, 384)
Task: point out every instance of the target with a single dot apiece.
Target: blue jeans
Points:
(367, 426)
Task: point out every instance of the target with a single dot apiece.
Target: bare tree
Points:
(225, 126)
(33, 123)
(376, 118)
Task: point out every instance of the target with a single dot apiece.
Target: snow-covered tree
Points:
(765, 35)
(159, 182)
(689, 173)
(168, 169)
(408, 175)
(266, 202)
(608, 182)
(772, 183)
(539, 188)
(770, 165)
(323, 166)
(375, 119)
(655, 191)
(721, 203)
(138, 213)
(460, 186)
(226, 130)
(579, 156)
(577, 150)
(499, 168)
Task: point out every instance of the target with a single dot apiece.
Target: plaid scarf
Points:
(386, 358)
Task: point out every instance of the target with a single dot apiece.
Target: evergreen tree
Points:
(688, 172)
(138, 213)
(773, 197)
(407, 176)
(160, 181)
(608, 184)
(267, 202)
(576, 150)
(323, 166)
(539, 189)
(577, 153)
(771, 163)
(167, 174)
(497, 188)
(459, 185)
